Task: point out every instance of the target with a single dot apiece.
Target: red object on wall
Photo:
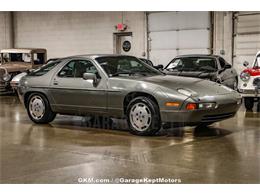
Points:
(121, 27)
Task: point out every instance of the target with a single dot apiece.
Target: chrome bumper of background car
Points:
(249, 92)
(224, 111)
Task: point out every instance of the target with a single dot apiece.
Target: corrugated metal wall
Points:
(5, 30)
(175, 33)
(246, 38)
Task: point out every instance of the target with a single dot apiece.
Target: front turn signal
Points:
(172, 104)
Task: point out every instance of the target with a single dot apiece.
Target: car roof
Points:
(198, 55)
(94, 56)
(23, 50)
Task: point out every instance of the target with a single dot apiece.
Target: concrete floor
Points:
(66, 150)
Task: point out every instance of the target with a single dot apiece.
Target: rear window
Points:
(44, 69)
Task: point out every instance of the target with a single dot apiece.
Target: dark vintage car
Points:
(123, 87)
(211, 67)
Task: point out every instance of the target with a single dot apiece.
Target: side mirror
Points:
(90, 76)
(227, 66)
(159, 67)
(246, 63)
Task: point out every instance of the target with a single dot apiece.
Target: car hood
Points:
(199, 86)
(196, 74)
(15, 67)
(18, 77)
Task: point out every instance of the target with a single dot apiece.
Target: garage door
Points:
(246, 38)
(175, 33)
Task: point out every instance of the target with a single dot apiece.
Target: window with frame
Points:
(257, 62)
(76, 69)
(222, 62)
(38, 58)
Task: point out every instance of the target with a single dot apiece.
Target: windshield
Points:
(257, 62)
(125, 66)
(17, 57)
(204, 64)
(44, 69)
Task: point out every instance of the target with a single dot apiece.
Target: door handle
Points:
(55, 82)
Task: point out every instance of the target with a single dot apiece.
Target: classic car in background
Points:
(16, 61)
(211, 67)
(250, 84)
(124, 87)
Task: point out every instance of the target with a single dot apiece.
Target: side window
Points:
(222, 62)
(38, 58)
(67, 71)
(77, 68)
(174, 63)
(257, 62)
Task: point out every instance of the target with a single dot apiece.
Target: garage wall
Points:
(5, 30)
(223, 35)
(246, 37)
(72, 33)
(176, 33)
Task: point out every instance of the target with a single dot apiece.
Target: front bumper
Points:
(224, 111)
(249, 92)
(20, 93)
(5, 88)
(14, 85)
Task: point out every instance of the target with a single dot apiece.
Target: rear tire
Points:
(143, 116)
(39, 110)
(249, 103)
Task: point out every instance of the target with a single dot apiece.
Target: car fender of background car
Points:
(124, 87)
(15, 61)
(250, 83)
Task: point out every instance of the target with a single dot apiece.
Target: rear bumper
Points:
(222, 112)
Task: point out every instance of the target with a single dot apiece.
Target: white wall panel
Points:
(5, 30)
(72, 33)
(175, 33)
(160, 40)
(164, 56)
(247, 38)
(194, 39)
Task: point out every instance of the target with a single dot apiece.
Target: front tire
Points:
(39, 110)
(143, 116)
(249, 103)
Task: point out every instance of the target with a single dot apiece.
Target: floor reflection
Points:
(73, 146)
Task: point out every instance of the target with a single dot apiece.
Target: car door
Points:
(226, 75)
(72, 94)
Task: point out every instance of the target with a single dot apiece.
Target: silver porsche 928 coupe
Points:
(123, 87)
